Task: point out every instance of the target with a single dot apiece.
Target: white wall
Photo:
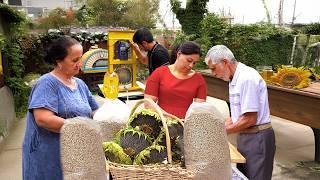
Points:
(50, 4)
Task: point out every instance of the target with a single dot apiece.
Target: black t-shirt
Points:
(157, 56)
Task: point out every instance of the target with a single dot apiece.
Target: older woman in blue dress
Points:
(58, 95)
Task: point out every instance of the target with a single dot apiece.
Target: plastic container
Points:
(111, 85)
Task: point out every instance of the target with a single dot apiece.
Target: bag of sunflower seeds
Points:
(206, 149)
(81, 154)
(112, 116)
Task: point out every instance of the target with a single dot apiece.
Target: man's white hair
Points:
(218, 53)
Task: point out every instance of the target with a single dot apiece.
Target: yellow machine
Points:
(119, 58)
(122, 59)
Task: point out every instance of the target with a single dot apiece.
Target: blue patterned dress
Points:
(41, 147)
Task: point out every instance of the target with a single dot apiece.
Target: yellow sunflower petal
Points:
(291, 77)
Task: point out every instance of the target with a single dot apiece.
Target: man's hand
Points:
(228, 122)
(135, 46)
(141, 56)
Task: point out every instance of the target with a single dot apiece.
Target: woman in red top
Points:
(176, 86)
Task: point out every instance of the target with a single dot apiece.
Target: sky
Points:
(252, 11)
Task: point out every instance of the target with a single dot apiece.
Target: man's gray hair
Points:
(218, 53)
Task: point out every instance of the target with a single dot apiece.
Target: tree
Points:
(191, 16)
(213, 30)
(57, 18)
(83, 15)
(107, 12)
(141, 13)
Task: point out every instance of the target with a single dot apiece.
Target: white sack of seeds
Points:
(82, 155)
(204, 107)
(220, 105)
(112, 111)
(206, 147)
(112, 116)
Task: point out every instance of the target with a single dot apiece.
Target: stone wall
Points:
(7, 112)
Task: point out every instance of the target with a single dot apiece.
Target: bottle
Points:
(267, 73)
(111, 85)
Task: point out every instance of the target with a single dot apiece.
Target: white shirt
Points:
(248, 93)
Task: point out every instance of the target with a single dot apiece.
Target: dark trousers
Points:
(258, 149)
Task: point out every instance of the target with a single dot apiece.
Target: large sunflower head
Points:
(291, 77)
(115, 153)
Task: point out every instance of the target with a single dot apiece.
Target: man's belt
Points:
(256, 128)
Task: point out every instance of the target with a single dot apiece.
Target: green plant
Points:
(312, 29)
(213, 29)
(14, 81)
(83, 15)
(13, 56)
(259, 44)
(191, 16)
(33, 55)
(11, 15)
(57, 18)
(147, 16)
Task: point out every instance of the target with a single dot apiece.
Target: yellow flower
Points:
(291, 77)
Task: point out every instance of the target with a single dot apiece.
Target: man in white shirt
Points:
(250, 114)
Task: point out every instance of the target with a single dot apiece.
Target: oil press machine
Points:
(119, 57)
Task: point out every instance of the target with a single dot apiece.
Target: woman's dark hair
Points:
(189, 47)
(142, 34)
(59, 49)
(174, 52)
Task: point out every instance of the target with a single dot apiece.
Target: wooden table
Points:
(235, 155)
(298, 105)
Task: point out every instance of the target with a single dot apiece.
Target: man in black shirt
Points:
(157, 54)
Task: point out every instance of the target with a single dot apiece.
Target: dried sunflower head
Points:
(115, 153)
(291, 77)
(175, 128)
(148, 121)
(133, 141)
(154, 154)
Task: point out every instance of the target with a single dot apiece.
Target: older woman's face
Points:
(187, 62)
(71, 64)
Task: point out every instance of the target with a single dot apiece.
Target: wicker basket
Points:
(135, 172)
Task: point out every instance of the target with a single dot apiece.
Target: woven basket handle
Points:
(163, 119)
(175, 117)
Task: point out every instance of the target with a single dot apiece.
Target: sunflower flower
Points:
(291, 77)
